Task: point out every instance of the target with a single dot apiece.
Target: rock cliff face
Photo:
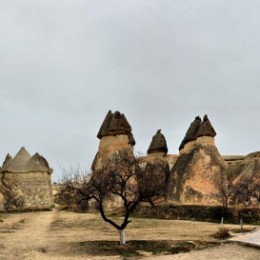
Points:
(198, 172)
(27, 179)
(244, 177)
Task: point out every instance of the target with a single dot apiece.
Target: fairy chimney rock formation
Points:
(28, 177)
(200, 169)
(189, 140)
(206, 132)
(198, 132)
(158, 145)
(115, 134)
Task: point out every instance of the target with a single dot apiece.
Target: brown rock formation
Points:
(196, 176)
(28, 177)
(200, 169)
(116, 124)
(198, 132)
(158, 144)
(115, 135)
(244, 177)
(206, 129)
(191, 134)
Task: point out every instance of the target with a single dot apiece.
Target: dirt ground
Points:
(59, 234)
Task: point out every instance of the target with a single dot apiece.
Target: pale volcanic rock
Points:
(195, 177)
(244, 175)
(115, 135)
(200, 170)
(28, 177)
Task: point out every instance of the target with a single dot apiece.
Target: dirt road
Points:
(57, 235)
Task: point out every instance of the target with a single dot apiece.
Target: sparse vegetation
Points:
(82, 236)
(121, 182)
(223, 233)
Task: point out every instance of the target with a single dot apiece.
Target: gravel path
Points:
(252, 238)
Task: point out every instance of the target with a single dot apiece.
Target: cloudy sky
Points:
(65, 63)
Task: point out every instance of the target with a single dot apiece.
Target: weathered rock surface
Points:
(115, 135)
(158, 144)
(28, 178)
(198, 132)
(244, 177)
(196, 176)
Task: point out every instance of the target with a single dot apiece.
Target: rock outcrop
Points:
(156, 165)
(200, 169)
(244, 177)
(190, 137)
(115, 134)
(158, 144)
(198, 132)
(27, 179)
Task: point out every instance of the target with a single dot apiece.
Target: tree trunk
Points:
(241, 224)
(122, 237)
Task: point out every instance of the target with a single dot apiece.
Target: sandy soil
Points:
(56, 234)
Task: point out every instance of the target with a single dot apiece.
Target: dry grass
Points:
(66, 235)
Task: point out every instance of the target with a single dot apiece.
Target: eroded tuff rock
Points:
(198, 132)
(116, 124)
(200, 170)
(158, 144)
(196, 176)
(157, 152)
(26, 179)
(244, 177)
(115, 135)
(191, 134)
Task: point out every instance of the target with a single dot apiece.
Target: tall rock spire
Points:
(115, 135)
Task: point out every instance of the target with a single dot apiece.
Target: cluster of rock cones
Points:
(196, 175)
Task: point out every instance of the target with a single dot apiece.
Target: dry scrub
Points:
(65, 235)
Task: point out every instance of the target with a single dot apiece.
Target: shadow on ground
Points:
(137, 247)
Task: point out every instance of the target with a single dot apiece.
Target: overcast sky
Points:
(65, 63)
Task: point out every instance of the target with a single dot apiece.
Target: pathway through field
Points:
(34, 236)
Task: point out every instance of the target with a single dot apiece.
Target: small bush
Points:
(223, 233)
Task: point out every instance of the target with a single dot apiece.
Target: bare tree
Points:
(69, 188)
(155, 178)
(224, 193)
(245, 193)
(121, 181)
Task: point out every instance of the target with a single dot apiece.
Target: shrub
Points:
(222, 233)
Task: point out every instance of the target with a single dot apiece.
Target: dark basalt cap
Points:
(115, 124)
(206, 129)
(191, 133)
(158, 143)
